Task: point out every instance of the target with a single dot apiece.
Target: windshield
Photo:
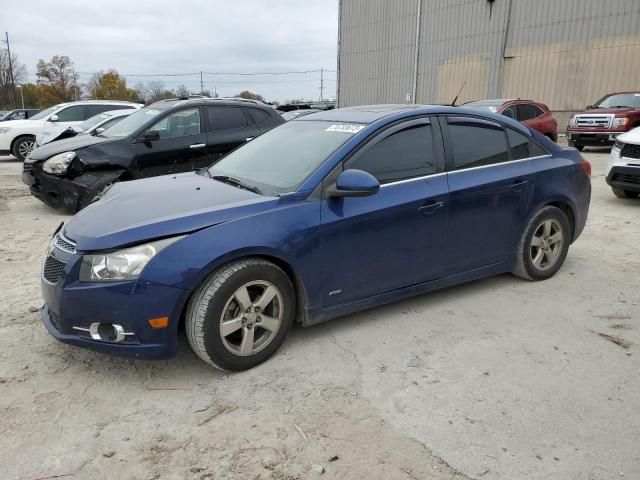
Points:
(90, 122)
(45, 113)
(132, 123)
(281, 159)
(631, 100)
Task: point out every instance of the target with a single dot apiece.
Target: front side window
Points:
(526, 111)
(45, 113)
(178, 124)
(404, 154)
(74, 113)
(476, 143)
(225, 118)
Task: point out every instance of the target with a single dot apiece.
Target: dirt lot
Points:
(497, 379)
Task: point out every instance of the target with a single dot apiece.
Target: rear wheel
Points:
(544, 245)
(23, 146)
(622, 193)
(241, 314)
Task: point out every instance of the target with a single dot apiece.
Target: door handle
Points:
(431, 208)
(198, 145)
(248, 139)
(517, 185)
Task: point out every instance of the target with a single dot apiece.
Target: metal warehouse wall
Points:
(565, 53)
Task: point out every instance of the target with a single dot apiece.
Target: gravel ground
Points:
(496, 379)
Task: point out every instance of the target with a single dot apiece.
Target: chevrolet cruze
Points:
(320, 217)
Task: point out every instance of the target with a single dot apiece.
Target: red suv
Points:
(534, 115)
(602, 122)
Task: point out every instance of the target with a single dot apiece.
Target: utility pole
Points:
(13, 83)
(201, 83)
(321, 84)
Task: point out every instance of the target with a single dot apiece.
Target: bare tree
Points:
(19, 77)
(59, 78)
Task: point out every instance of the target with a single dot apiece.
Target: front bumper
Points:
(592, 138)
(69, 304)
(625, 177)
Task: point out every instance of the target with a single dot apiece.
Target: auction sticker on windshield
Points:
(345, 128)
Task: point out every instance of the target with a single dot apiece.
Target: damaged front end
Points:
(68, 184)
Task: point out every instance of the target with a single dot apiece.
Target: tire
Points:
(22, 147)
(622, 193)
(223, 299)
(542, 261)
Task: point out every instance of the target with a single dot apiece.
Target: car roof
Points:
(173, 102)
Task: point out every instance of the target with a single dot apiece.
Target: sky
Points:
(145, 37)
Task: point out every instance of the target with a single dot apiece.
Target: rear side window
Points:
(75, 113)
(258, 115)
(476, 143)
(405, 154)
(522, 146)
(526, 111)
(93, 110)
(225, 118)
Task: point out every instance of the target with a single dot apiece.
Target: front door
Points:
(181, 144)
(395, 238)
(489, 193)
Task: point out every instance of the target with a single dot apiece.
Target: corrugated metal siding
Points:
(566, 53)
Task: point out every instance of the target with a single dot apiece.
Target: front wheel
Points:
(241, 314)
(622, 193)
(544, 245)
(23, 146)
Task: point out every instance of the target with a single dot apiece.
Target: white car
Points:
(94, 125)
(623, 168)
(18, 137)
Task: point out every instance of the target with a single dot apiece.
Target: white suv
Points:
(18, 137)
(623, 169)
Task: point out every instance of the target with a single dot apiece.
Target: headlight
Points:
(58, 163)
(572, 121)
(4, 130)
(126, 264)
(620, 122)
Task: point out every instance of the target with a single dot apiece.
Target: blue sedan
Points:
(323, 216)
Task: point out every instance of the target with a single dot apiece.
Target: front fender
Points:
(289, 233)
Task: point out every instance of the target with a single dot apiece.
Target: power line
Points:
(211, 73)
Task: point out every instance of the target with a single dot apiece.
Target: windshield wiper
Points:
(236, 183)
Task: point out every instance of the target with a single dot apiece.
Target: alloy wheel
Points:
(546, 244)
(25, 147)
(251, 318)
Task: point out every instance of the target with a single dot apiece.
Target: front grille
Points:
(52, 269)
(630, 151)
(64, 243)
(55, 319)
(626, 178)
(595, 121)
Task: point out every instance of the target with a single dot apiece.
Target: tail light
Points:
(586, 167)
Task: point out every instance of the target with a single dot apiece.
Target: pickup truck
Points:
(601, 123)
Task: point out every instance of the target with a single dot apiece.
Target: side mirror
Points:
(151, 136)
(588, 107)
(355, 183)
(99, 130)
(53, 118)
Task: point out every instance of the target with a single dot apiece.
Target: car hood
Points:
(23, 123)
(50, 134)
(632, 136)
(135, 211)
(608, 110)
(72, 144)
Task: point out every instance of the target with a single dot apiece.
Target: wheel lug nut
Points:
(258, 319)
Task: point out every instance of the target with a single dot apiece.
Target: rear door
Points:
(490, 189)
(228, 127)
(181, 145)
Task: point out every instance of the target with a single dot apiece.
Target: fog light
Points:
(107, 332)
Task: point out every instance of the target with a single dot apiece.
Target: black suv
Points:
(167, 137)
(19, 114)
